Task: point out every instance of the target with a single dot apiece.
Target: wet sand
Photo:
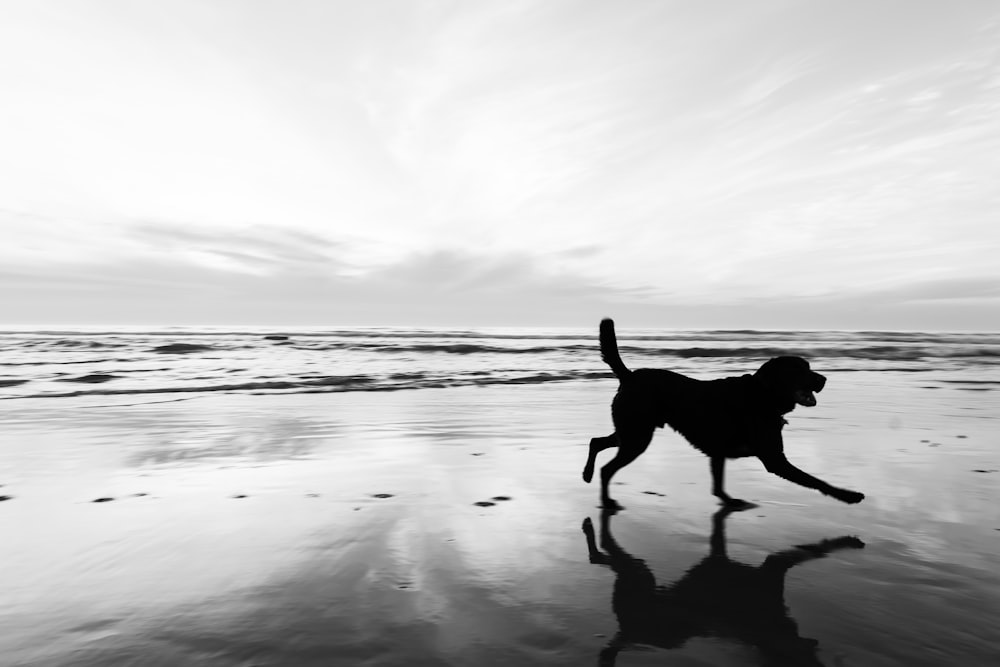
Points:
(446, 527)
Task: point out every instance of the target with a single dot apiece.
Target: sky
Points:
(731, 164)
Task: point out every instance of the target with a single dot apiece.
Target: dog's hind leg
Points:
(597, 445)
(630, 447)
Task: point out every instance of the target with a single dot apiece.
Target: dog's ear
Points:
(780, 371)
(784, 368)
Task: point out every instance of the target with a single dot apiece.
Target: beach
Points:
(313, 314)
(444, 526)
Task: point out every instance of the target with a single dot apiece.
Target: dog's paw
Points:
(737, 505)
(849, 497)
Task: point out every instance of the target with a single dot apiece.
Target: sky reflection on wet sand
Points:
(260, 539)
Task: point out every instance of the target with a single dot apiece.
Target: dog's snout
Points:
(818, 382)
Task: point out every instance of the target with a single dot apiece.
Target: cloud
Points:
(297, 287)
(256, 247)
(444, 287)
(985, 289)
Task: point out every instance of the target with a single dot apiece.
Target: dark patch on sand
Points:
(11, 383)
(93, 378)
(484, 503)
(501, 498)
(240, 495)
(990, 470)
(961, 436)
(275, 337)
(655, 493)
(312, 495)
(140, 494)
(381, 495)
(477, 453)
(102, 500)
(181, 348)
(3, 498)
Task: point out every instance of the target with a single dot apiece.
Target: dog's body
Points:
(728, 418)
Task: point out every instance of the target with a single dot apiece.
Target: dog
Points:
(719, 598)
(728, 418)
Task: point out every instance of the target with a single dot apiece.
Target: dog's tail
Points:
(609, 350)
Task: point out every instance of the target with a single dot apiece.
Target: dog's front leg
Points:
(782, 467)
(718, 484)
(719, 478)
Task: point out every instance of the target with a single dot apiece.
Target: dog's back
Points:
(713, 415)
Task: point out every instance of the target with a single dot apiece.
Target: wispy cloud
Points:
(196, 287)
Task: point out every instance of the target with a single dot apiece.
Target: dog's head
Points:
(791, 380)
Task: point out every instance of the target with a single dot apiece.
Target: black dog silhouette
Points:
(728, 418)
(718, 597)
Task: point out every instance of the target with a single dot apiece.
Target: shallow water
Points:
(259, 539)
(134, 361)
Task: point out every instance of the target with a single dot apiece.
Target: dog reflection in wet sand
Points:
(718, 597)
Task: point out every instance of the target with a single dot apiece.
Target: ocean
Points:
(69, 362)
